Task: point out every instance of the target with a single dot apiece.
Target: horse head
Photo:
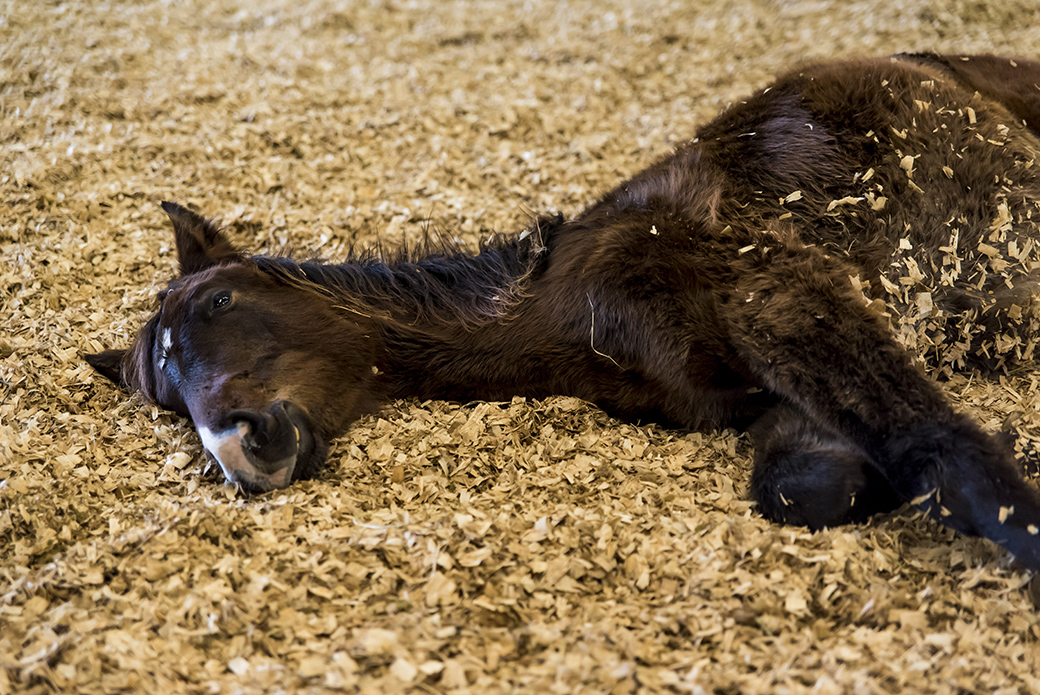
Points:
(268, 371)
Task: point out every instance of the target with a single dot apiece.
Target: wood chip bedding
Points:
(529, 546)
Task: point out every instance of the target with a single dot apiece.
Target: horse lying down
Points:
(778, 274)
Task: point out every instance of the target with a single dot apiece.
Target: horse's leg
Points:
(797, 324)
(808, 474)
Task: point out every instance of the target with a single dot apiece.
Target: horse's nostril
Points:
(271, 435)
(255, 422)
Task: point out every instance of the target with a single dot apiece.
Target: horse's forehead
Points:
(231, 274)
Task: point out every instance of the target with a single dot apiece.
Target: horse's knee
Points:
(809, 477)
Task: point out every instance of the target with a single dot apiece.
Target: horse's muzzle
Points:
(260, 451)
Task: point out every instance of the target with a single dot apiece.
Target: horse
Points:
(787, 273)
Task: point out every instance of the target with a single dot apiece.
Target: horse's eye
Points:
(221, 300)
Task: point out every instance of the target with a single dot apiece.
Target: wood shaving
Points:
(521, 547)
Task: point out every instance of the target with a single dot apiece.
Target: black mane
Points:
(434, 282)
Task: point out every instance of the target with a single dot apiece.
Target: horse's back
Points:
(925, 185)
(1012, 82)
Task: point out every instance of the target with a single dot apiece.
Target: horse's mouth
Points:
(266, 451)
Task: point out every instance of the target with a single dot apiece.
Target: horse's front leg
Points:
(797, 325)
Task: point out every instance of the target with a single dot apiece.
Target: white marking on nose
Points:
(167, 339)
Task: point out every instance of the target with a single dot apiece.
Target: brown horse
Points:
(775, 274)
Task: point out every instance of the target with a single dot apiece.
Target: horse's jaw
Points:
(231, 449)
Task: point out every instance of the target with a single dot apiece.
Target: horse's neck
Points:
(460, 327)
(493, 360)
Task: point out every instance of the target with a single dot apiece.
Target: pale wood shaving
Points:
(530, 546)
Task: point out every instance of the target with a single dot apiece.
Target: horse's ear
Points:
(199, 243)
(109, 364)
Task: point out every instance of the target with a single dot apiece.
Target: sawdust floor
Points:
(512, 547)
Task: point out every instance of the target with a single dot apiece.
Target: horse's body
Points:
(769, 275)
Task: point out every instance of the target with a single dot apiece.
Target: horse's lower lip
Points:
(262, 482)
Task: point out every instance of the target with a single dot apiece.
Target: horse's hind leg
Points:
(797, 325)
(809, 475)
